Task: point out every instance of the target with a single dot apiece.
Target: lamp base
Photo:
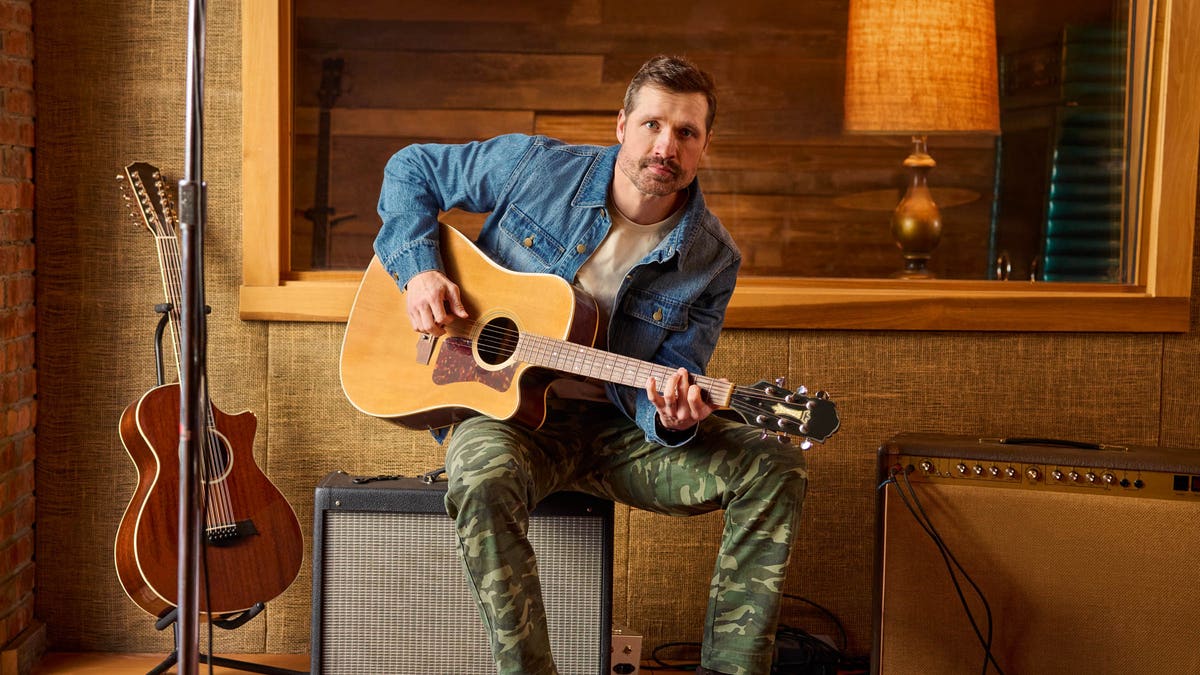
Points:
(915, 268)
(916, 222)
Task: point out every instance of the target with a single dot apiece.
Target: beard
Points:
(653, 183)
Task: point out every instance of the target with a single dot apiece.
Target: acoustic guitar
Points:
(252, 542)
(525, 331)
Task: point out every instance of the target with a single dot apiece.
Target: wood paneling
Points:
(777, 166)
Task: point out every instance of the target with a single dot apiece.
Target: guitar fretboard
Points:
(598, 364)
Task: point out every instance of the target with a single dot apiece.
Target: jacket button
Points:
(528, 242)
(658, 314)
(581, 248)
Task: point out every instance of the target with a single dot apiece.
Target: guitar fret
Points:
(569, 357)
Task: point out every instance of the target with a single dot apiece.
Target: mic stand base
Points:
(227, 623)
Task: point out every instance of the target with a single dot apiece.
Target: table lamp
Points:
(920, 68)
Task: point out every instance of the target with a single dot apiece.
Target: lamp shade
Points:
(921, 67)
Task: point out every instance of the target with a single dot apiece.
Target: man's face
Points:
(662, 140)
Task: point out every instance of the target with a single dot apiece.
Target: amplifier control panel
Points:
(1014, 474)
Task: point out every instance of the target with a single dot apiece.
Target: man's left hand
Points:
(681, 405)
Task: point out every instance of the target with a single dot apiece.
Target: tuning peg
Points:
(802, 390)
(782, 438)
(780, 381)
(763, 437)
(805, 444)
(823, 395)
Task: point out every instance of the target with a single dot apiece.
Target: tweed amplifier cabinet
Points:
(1086, 556)
(389, 595)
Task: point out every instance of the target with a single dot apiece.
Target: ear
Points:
(621, 119)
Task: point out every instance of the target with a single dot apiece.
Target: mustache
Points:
(669, 164)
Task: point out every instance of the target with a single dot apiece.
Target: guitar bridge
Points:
(229, 534)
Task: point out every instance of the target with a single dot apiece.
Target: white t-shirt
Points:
(602, 273)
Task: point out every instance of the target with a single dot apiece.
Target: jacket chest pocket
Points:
(656, 310)
(526, 243)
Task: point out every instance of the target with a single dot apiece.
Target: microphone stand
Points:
(192, 402)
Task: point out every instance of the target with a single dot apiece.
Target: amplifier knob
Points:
(962, 468)
(1074, 476)
(1091, 477)
(1108, 479)
(995, 471)
(927, 466)
(1010, 472)
(1033, 473)
(1056, 474)
(978, 470)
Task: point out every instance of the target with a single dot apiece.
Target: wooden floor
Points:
(140, 664)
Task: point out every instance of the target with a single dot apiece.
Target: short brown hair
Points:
(675, 74)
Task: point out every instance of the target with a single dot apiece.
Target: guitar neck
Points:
(170, 264)
(598, 364)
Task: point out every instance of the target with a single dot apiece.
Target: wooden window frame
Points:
(1158, 302)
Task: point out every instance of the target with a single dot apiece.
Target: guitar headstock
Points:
(155, 202)
(331, 82)
(778, 410)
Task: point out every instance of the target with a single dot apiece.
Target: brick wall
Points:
(18, 377)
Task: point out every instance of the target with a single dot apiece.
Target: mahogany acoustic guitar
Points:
(252, 542)
(524, 330)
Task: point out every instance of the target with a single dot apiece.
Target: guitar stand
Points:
(228, 623)
(164, 308)
(171, 618)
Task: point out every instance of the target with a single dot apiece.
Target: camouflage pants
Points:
(498, 471)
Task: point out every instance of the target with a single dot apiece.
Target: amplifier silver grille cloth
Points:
(395, 599)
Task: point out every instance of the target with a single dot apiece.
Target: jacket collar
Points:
(593, 193)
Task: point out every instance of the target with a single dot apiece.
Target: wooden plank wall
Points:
(801, 198)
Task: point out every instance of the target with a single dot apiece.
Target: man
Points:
(629, 225)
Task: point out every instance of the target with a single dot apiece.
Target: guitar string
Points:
(220, 507)
(499, 346)
(570, 356)
(503, 343)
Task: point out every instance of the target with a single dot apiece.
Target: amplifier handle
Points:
(1050, 441)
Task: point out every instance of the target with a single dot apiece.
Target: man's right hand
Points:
(434, 302)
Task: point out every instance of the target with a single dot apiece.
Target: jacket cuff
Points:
(410, 260)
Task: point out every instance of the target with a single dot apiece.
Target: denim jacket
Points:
(547, 214)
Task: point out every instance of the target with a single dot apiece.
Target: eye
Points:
(651, 124)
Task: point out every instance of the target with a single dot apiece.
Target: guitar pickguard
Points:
(455, 363)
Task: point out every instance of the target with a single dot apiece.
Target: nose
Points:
(665, 143)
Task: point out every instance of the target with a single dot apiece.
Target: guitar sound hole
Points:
(497, 341)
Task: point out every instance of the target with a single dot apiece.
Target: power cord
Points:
(913, 504)
(796, 651)
(690, 660)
